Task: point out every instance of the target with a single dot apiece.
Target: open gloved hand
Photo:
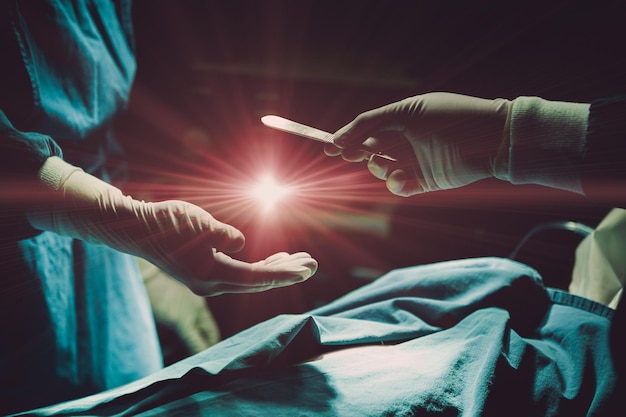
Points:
(453, 141)
(182, 239)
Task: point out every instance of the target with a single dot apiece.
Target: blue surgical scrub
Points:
(75, 318)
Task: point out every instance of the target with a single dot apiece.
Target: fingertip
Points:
(233, 240)
(354, 155)
(396, 182)
(303, 266)
(239, 243)
(399, 184)
(311, 264)
(305, 273)
(331, 150)
(378, 167)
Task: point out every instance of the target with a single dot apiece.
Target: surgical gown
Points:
(75, 318)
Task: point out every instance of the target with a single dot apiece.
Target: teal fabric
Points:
(477, 337)
(74, 317)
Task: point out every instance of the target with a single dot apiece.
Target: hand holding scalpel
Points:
(289, 126)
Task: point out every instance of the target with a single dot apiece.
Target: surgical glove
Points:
(182, 239)
(456, 140)
(453, 141)
(178, 309)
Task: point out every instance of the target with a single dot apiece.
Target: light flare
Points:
(335, 210)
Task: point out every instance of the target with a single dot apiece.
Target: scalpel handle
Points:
(295, 128)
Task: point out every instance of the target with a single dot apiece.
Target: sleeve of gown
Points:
(604, 173)
(21, 156)
(604, 179)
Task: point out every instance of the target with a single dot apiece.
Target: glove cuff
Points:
(52, 175)
(544, 143)
(54, 172)
(73, 202)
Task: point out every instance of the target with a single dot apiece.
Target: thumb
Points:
(215, 233)
(223, 236)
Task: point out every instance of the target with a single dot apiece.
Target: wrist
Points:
(72, 202)
(51, 176)
(54, 172)
(544, 143)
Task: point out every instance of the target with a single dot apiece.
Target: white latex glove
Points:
(180, 238)
(453, 141)
(177, 308)
(600, 266)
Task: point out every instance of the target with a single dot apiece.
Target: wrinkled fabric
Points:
(78, 60)
(604, 174)
(600, 265)
(75, 318)
(74, 324)
(478, 337)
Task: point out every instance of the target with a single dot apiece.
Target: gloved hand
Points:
(453, 141)
(180, 310)
(180, 238)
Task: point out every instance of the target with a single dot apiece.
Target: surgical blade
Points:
(295, 128)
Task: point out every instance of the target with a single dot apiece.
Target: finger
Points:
(276, 257)
(282, 257)
(298, 258)
(379, 167)
(354, 155)
(301, 264)
(187, 217)
(225, 237)
(281, 270)
(331, 150)
(399, 184)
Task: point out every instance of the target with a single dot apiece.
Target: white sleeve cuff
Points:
(544, 143)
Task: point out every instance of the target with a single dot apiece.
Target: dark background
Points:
(209, 69)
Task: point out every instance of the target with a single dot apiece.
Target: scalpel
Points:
(289, 126)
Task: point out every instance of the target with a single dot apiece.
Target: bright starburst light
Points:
(268, 192)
